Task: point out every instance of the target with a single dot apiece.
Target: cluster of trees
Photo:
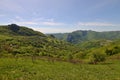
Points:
(112, 51)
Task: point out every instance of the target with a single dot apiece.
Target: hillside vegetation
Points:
(15, 30)
(22, 41)
(16, 40)
(26, 54)
(81, 36)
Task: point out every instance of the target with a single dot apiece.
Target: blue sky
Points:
(54, 16)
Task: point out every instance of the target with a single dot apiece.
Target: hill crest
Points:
(14, 29)
(87, 35)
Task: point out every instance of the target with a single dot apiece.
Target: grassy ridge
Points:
(24, 69)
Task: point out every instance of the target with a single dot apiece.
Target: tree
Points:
(96, 56)
(14, 27)
(112, 51)
(109, 52)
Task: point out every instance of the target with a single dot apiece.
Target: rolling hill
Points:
(17, 40)
(22, 41)
(81, 36)
(14, 29)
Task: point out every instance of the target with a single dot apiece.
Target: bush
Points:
(69, 57)
(80, 55)
(114, 50)
(96, 56)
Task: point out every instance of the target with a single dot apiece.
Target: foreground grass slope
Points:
(24, 69)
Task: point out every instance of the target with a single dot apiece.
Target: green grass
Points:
(24, 69)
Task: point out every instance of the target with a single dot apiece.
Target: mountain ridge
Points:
(87, 35)
(14, 29)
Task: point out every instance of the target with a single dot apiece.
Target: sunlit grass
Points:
(24, 69)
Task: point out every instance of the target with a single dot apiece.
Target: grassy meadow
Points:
(25, 69)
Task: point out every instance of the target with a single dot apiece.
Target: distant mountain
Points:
(60, 36)
(81, 35)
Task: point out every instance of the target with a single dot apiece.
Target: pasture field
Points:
(25, 69)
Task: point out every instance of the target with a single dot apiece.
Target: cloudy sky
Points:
(54, 16)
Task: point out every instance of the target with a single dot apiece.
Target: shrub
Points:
(114, 50)
(80, 55)
(69, 57)
(96, 56)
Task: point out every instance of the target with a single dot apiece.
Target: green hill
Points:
(14, 29)
(17, 40)
(80, 36)
(22, 41)
(60, 36)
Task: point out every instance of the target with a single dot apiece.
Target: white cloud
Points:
(36, 21)
(51, 23)
(44, 19)
(95, 24)
(53, 30)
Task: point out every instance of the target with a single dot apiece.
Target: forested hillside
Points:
(81, 36)
(16, 40)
